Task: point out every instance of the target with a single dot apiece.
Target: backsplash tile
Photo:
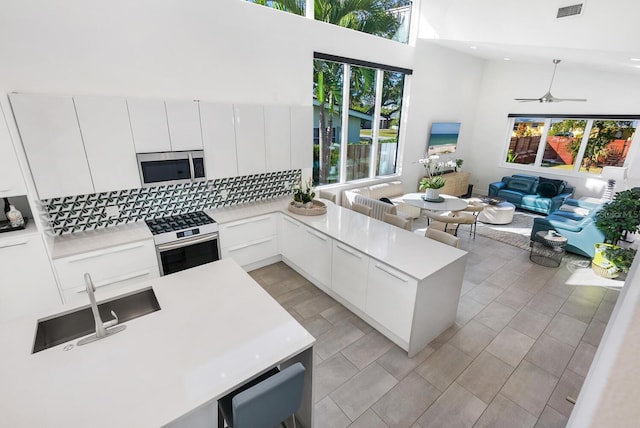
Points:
(87, 212)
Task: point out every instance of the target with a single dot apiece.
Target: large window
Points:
(385, 18)
(357, 110)
(581, 144)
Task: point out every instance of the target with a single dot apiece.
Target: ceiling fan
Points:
(548, 98)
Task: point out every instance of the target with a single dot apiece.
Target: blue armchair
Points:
(578, 227)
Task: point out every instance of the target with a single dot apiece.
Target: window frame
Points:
(575, 171)
(375, 131)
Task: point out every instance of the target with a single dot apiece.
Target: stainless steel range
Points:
(185, 241)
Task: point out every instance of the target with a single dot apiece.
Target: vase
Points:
(15, 217)
(432, 193)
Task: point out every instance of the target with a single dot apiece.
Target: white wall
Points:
(604, 24)
(607, 93)
(444, 88)
(223, 50)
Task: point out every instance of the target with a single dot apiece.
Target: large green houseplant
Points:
(615, 220)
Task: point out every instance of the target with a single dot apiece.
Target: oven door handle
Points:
(185, 242)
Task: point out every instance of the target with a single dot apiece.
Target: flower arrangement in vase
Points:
(303, 194)
(433, 182)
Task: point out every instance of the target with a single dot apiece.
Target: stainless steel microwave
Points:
(157, 169)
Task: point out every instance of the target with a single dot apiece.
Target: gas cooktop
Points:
(167, 229)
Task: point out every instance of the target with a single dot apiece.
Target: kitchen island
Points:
(216, 329)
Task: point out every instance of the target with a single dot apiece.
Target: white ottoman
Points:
(501, 213)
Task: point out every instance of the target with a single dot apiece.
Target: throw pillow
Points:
(547, 189)
(559, 184)
(386, 200)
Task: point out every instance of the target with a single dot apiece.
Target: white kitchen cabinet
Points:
(219, 140)
(390, 298)
(292, 234)
(250, 147)
(11, 180)
(183, 119)
(349, 272)
(111, 267)
(251, 242)
(316, 257)
(277, 135)
(149, 125)
(51, 137)
(104, 123)
(28, 284)
(301, 137)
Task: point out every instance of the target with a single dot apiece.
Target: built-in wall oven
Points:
(171, 167)
(185, 241)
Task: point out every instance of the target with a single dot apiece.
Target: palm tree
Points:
(369, 16)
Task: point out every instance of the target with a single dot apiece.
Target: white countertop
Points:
(82, 242)
(412, 254)
(216, 328)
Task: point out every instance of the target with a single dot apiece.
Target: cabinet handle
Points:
(322, 238)
(393, 274)
(100, 253)
(253, 220)
(14, 243)
(120, 278)
(293, 222)
(251, 244)
(346, 250)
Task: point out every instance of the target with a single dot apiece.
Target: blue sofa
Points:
(578, 226)
(538, 194)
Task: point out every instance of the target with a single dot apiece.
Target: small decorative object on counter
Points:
(303, 195)
(15, 217)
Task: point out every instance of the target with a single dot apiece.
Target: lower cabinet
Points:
(250, 242)
(390, 298)
(349, 272)
(307, 249)
(27, 284)
(110, 268)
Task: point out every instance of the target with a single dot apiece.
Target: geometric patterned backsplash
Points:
(87, 212)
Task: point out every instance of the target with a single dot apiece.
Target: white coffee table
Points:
(450, 203)
(501, 213)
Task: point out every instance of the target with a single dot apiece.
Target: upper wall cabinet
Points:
(11, 181)
(219, 140)
(250, 139)
(149, 125)
(183, 119)
(277, 136)
(51, 137)
(106, 132)
(301, 137)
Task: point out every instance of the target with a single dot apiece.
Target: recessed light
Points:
(637, 66)
(507, 59)
(634, 59)
(473, 47)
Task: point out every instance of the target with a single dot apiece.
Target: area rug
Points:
(516, 233)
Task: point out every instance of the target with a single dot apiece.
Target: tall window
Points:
(385, 18)
(357, 110)
(581, 144)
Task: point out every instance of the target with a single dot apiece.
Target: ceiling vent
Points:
(573, 10)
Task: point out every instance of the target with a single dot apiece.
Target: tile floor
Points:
(523, 341)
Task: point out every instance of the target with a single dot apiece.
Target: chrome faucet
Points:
(103, 329)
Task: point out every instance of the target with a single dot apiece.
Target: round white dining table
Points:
(450, 203)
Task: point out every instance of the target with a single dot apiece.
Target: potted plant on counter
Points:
(615, 220)
(303, 194)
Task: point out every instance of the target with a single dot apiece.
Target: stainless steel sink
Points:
(53, 331)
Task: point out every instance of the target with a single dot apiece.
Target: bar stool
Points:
(266, 401)
(362, 209)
